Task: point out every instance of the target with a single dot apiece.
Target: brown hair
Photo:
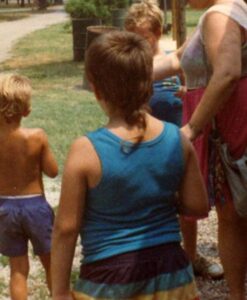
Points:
(143, 12)
(120, 66)
(15, 95)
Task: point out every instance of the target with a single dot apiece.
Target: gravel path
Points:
(11, 32)
(207, 244)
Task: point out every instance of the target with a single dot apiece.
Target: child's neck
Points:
(156, 49)
(118, 123)
(9, 126)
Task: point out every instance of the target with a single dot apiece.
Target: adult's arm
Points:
(68, 219)
(223, 40)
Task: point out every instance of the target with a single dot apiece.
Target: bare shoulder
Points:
(82, 153)
(82, 145)
(35, 139)
(220, 21)
(82, 162)
(34, 133)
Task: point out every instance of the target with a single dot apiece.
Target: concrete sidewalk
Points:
(11, 32)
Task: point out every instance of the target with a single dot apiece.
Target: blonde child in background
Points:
(119, 188)
(147, 19)
(25, 214)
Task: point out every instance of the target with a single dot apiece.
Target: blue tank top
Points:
(133, 206)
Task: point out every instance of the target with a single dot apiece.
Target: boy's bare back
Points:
(24, 155)
(24, 152)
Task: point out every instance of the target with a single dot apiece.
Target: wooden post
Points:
(178, 21)
(174, 20)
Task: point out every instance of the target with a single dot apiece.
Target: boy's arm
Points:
(68, 219)
(48, 162)
(192, 194)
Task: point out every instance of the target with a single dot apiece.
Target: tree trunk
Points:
(42, 4)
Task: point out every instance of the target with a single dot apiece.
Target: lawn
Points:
(13, 16)
(12, 12)
(60, 105)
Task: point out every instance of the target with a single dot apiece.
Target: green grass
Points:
(4, 261)
(13, 16)
(192, 17)
(3, 290)
(12, 12)
(60, 105)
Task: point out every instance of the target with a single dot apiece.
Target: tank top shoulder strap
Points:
(171, 129)
(237, 10)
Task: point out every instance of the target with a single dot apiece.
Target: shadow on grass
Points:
(13, 16)
(55, 70)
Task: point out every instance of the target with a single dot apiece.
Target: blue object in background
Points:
(164, 104)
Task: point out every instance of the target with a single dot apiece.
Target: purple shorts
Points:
(24, 219)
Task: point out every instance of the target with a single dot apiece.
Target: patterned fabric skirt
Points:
(157, 273)
(231, 122)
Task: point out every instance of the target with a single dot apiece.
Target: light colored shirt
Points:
(194, 62)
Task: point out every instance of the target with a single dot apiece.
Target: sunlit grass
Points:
(60, 105)
(192, 17)
(13, 16)
(3, 261)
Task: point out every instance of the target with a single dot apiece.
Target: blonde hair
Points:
(15, 95)
(143, 12)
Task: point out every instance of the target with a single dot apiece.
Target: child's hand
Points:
(181, 91)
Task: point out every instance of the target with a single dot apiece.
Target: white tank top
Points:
(194, 60)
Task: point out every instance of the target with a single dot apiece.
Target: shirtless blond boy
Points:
(25, 214)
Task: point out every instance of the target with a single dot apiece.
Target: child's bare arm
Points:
(48, 162)
(68, 219)
(167, 65)
(192, 194)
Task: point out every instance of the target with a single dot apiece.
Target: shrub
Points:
(117, 3)
(87, 9)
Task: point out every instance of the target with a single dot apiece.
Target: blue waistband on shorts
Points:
(20, 196)
(22, 199)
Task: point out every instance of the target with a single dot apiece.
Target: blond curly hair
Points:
(15, 96)
(142, 12)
